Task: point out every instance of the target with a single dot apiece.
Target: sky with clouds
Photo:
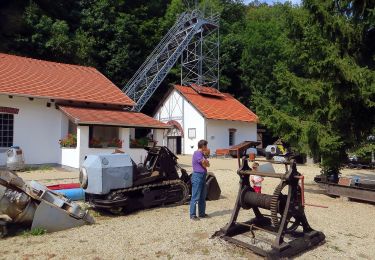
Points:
(272, 1)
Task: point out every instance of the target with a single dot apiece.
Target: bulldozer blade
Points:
(213, 188)
(53, 219)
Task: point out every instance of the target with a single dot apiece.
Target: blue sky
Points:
(271, 1)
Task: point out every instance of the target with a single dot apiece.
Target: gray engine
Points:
(100, 174)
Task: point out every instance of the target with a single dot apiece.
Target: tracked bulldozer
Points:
(113, 182)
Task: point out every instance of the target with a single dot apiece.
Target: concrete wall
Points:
(218, 133)
(37, 129)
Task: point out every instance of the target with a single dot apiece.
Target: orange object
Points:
(252, 157)
(222, 152)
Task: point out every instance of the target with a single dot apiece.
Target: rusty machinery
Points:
(285, 231)
(32, 204)
(353, 187)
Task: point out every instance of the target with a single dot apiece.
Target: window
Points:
(72, 129)
(140, 137)
(6, 130)
(104, 136)
(191, 133)
(231, 137)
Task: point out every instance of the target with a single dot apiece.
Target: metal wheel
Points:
(276, 217)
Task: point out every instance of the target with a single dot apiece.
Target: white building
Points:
(205, 113)
(43, 102)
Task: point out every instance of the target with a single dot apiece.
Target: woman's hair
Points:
(202, 143)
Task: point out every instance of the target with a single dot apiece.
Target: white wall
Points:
(37, 129)
(176, 107)
(159, 136)
(70, 157)
(171, 109)
(138, 155)
(218, 133)
(192, 119)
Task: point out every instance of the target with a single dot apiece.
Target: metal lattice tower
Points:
(191, 38)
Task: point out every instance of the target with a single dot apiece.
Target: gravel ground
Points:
(167, 233)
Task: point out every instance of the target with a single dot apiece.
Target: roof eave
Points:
(64, 99)
(122, 125)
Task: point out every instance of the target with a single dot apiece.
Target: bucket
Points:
(15, 160)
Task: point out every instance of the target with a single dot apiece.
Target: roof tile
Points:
(94, 116)
(38, 78)
(216, 107)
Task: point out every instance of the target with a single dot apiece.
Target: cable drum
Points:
(251, 199)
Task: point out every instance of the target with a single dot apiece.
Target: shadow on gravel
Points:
(315, 191)
(220, 213)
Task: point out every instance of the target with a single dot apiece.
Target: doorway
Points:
(174, 144)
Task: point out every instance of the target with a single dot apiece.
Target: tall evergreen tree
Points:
(325, 102)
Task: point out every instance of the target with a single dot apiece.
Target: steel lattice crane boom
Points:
(154, 70)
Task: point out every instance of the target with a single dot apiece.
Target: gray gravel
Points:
(167, 233)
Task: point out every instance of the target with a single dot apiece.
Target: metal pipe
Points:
(262, 174)
(302, 185)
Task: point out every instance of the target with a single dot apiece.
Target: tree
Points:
(325, 94)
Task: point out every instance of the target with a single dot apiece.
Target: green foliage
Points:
(323, 93)
(34, 232)
(308, 70)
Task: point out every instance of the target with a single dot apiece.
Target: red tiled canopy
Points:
(216, 107)
(94, 116)
(37, 78)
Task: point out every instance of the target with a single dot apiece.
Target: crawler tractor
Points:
(115, 183)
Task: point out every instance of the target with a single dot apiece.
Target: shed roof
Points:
(37, 78)
(217, 105)
(96, 116)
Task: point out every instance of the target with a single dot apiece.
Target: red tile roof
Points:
(215, 107)
(37, 78)
(207, 91)
(94, 116)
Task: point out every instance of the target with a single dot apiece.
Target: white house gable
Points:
(177, 108)
(218, 132)
(194, 122)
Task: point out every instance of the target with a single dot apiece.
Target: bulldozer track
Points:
(183, 185)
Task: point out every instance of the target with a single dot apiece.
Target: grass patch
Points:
(34, 232)
(205, 251)
(336, 248)
(38, 168)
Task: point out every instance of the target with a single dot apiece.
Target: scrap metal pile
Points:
(285, 231)
(32, 204)
(354, 187)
